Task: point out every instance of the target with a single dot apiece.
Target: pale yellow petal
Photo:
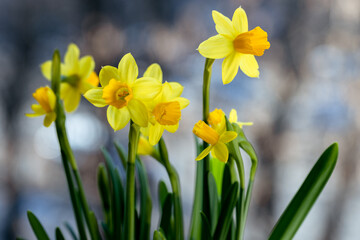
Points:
(51, 98)
(155, 133)
(216, 47)
(240, 21)
(144, 147)
(171, 90)
(118, 118)
(46, 69)
(249, 65)
(138, 112)
(171, 128)
(233, 116)
(95, 97)
(107, 73)
(154, 71)
(71, 59)
(38, 109)
(184, 102)
(204, 153)
(87, 65)
(223, 25)
(227, 136)
(128, 69)
(230, 67)
(146, 88)
(71, 97)
(49, 118)
(220, 152)
(176, 88)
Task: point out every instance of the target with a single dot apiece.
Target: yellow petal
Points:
(49, 118)
(87, 65)
(46, 69)
(118, 118)
(71, 97)
(38, 109)
(221, 152)
(107, 73)
(128, 69)
(95, 97)
(249, 65)
(138, 112)
(171, 128)
(216, 47)
(230, 67)
(155, 133)
(171, 90)
(240, 21)
(228, 136)
(154, 71)
(183, 102)
(223, 25)
(144, 147)
(51, 98)
(71, 59)
(204, 153)
(233, 116)
(146, 88)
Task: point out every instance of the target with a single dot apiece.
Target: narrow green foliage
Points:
(122, 154)
(36, 226)
(58, 234)
(166, 214)
(71, 231)
(105, 192)
(162, 193)
(158, 235)
(207, 226)
(214, 202)
(145, 201)
(227, 208)
(304, 199)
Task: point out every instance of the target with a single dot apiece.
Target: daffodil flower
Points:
(216, 120)
(236, 44)
(47, 102)
(77, 74)
(216, 140)
(234, 119)
(164, 109)
(144, 147)
(124, 93)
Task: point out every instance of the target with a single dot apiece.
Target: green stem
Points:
(129, 223)
(206, 161)
(66, 149)
(175, 185)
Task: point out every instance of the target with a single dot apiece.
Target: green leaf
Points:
(104, 189)
(227, 208)
(217, 169)
(71, 231)
(165, 221)
(121, 152)
(300, 205)
(162, 193)
(58, 234)
(214, 202)
(36, 226)
(158, 235)
(244, 142)
(206, 225)
(145, 201)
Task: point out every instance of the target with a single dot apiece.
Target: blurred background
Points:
(306, 98)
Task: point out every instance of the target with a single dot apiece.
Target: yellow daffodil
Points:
(236, 44)
(234, 119)
(144, 147)
(216, 120)
(124, 93)
(47, 102)
(165, 108)
(216, 140)
(77, 75)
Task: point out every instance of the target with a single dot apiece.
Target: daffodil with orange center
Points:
(124, 93)
(47, 102)
(236, 44)
(165, 108)
(77, 76)
(216, 140)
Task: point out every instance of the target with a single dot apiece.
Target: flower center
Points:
(41, 95)
(117, 94)
(206, 133)
(167, 113)
(216, 117)
(252, 42)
